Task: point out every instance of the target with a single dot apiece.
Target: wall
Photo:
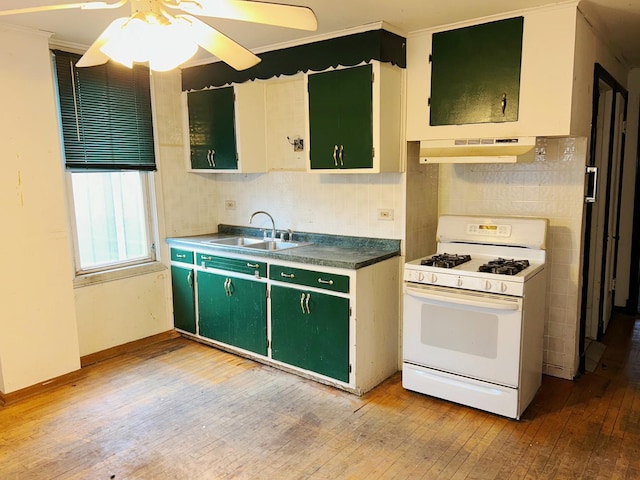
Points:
(38, 331)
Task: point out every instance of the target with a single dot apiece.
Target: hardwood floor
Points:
(181, 410)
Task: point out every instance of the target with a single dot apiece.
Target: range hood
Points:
(478, 150)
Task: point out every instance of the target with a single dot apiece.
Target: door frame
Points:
(634, 272)
(600, 74)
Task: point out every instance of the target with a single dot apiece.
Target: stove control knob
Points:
(420, 276)
(459, 282)
(434, 278)
(487, 285)
(502, 287)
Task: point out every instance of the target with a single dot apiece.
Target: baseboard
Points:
(126, 348)
(13, 397)
(38, 388)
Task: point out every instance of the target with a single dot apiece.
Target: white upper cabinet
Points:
(546, 81)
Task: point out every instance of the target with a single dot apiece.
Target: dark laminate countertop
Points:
(326, 250)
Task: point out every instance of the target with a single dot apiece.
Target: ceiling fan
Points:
(166, 33)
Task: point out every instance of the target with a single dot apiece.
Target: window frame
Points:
(126, 267)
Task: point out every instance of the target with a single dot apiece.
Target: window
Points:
(107, 134)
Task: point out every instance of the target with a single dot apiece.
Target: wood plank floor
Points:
(181, 410)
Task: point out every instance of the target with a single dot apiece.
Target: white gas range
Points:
(474, 311)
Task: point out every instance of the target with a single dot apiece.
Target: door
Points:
(602, 212)
(341, 118)
(212, 133)
(184, 314)
(471, 334)
(233, 311)
(310, 330)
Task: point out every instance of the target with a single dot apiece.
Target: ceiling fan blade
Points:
(219, 44)
(64, 6)
(94, 55)
(276, 14)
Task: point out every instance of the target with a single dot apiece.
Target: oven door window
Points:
(466, 333)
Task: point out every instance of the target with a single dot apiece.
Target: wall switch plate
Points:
(230, 204)
(385, 214)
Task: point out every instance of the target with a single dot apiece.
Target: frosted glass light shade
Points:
(153, 39)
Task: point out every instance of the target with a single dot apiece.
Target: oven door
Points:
(466, 333)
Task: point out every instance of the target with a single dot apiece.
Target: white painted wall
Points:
(38, 331)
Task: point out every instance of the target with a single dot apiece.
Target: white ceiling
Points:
(619, 20)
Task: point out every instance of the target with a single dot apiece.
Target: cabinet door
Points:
(341, 118)
(310, 330)
(212, 134)
(184, 315)
(233, 311)
(475, 76)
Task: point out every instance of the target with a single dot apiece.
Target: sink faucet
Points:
(273, 224)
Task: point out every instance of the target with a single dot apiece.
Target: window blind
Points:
(106, 117)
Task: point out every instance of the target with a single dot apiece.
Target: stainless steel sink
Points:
(236, 241)
(277, 245)
(255, 243)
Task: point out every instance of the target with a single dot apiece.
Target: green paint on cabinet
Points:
(310, 330)
(233, 311)
(341, 118)
(212, 133)
(184, 313)
(475, 73)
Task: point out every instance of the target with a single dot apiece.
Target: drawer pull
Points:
(206, 258)
(287, 275)
(253, 265)
(181, 255)
(325, 282)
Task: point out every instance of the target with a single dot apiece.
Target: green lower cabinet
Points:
(310, 330)
(184, 313)
(233, 311)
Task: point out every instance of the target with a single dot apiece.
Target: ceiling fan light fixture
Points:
(148, 37)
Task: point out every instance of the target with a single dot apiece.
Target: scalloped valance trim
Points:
(347, 51)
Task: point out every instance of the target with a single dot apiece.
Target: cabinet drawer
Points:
(258, 269)
(310, 278)
(183, 256)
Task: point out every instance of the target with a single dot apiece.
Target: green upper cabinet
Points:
(310, 330)
(212, 132)
(341, 118)
(475, 73)
(184, 312)
(217, 121)
(354, 119)
(233, 311)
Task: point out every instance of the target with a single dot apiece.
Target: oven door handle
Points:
(494, 304)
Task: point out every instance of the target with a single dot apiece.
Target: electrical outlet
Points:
(385, 214)
(230, 204)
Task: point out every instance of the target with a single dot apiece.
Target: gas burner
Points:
(504, 266)
(445, 260)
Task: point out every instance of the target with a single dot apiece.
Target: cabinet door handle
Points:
(287, 275)
(226, 290)
(253, 265)
(325, 282)
(592, 190)
(340, 155)
(302, 303)
(212, 158)
(306, 303)
(190, 279)
(335, 151)
(503, 103)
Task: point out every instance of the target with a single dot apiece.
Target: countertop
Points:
(325, 250)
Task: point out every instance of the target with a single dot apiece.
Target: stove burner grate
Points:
(503, 266)
(445, 260)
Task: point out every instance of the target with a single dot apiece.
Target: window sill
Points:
(84, 280)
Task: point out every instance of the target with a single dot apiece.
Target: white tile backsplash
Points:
(551, 187)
